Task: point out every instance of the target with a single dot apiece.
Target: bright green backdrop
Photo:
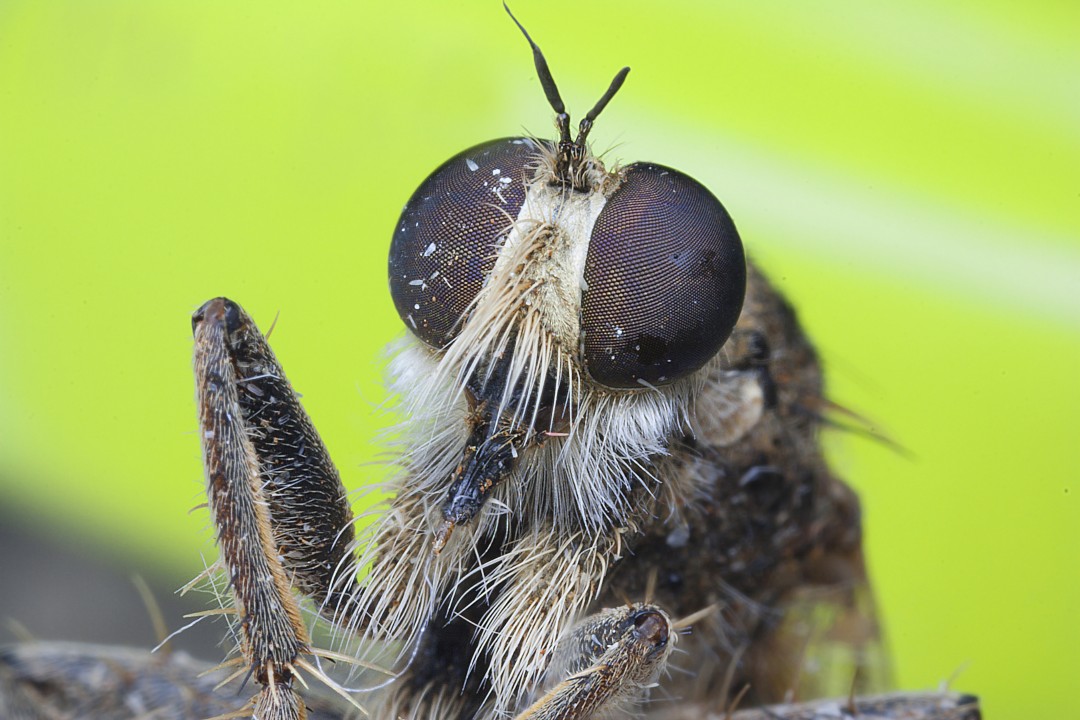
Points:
(908, 172)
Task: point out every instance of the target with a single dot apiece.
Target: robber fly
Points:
(611, 437)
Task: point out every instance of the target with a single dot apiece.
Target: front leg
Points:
(608, 662)
(281, 512)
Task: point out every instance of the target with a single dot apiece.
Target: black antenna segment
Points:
(546, 80)
(586, 124)
(571, 153)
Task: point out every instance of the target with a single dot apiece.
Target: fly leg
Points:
(607, 662)
(283, 520)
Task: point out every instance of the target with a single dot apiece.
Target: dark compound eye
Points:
(446, 239)
(665, 278)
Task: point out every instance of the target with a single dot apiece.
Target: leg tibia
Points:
(282, 517)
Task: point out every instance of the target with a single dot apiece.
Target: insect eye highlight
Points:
(446, 239)
(665, 276)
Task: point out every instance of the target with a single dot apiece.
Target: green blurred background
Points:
(909, 173)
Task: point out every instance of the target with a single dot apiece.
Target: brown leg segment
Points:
(280, 509)
(607, 663)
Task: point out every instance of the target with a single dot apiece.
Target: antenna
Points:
(570, 152)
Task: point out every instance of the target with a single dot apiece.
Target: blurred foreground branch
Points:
(49, 681)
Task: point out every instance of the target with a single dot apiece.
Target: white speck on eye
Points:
(411, 321)
(505, 180)
(433, 275)
(618, 332)
(496, 171)
(583, 284)
(416, 283)
(416, 306)
(473, 167)
(428, 250)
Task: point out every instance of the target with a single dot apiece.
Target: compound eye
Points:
(447, 238)
(665, 278)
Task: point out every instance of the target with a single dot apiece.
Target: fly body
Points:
(580, 434)
(609, 440)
